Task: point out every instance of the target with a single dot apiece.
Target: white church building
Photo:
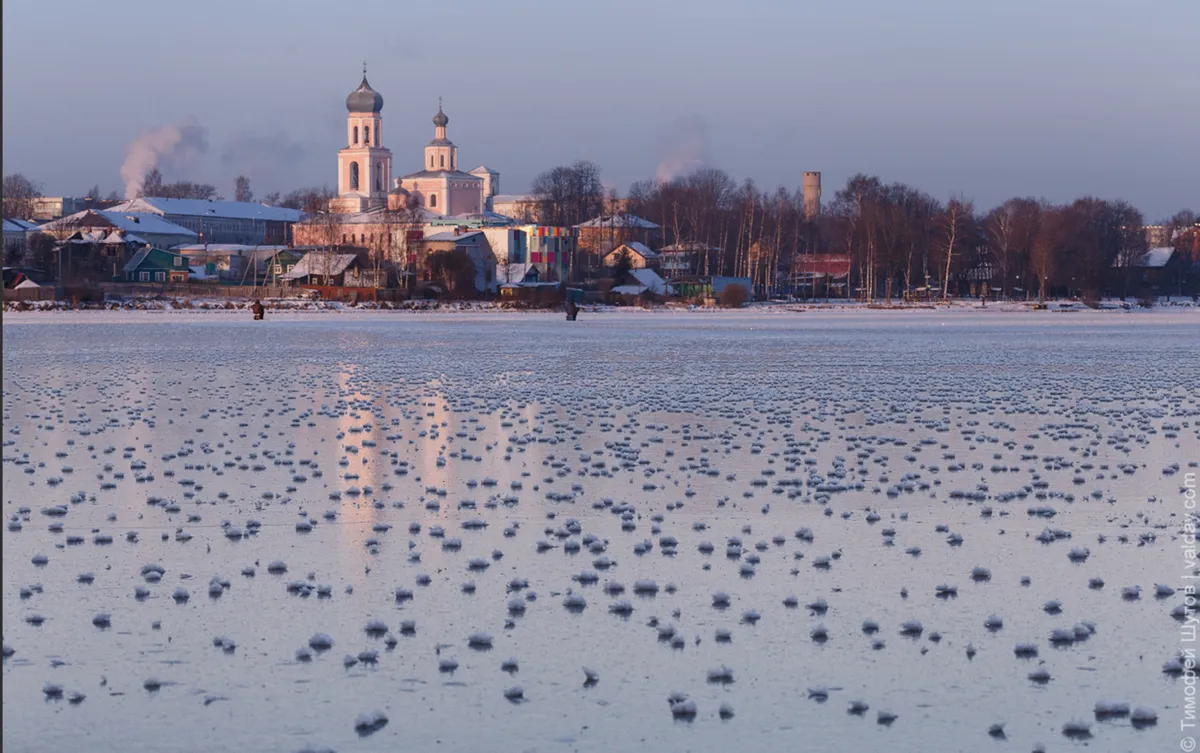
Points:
(365, 168)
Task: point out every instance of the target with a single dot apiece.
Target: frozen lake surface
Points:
(405, 532)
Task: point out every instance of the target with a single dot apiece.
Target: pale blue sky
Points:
(1054, 98)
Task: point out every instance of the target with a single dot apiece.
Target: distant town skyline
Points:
(1055, 99)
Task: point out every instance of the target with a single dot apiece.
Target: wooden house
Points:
(156, 265)
(640, 256)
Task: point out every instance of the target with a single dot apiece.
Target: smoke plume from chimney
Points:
(171, 146)
(687, 149)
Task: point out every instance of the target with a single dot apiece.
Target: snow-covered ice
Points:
(913, 513)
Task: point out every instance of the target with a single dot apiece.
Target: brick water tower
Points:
(811, 187)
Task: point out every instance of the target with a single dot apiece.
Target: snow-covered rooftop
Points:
(485, 217)
(18, 226)
(127, 221)
(116, 237)
(618, 220)
(1156, 257)
(651, 280)
(452, 236)
(641, 249)
(89, 236)
(629, 289)
(455, 174)
(320, 263)
(241, 210)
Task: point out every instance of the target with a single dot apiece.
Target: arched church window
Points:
(355, 134)
(432, 200)
(367, 135)
(353, 176)
(431, 160)
(442, 160)
(378, 176)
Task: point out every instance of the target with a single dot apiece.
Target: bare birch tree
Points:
(953, 226)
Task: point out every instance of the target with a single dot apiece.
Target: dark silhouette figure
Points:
(572, 310)
(258, 310)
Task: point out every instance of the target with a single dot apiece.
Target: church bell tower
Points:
(364, 165)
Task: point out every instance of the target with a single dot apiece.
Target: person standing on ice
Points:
(258, 309)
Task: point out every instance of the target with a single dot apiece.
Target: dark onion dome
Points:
(364, 98)
(440, 120)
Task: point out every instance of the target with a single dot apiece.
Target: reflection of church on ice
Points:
(365, 168)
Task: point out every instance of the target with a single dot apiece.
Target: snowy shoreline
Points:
(288, 308)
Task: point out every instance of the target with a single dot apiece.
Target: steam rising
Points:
(687, 149)
(171, 146)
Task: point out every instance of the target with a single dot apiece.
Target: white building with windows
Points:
(365, 168)
(521, 207)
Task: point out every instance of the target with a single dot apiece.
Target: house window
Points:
(353, 176)
(355, 134)
(432, 200)
(179, 261)
(160, 276)
(278, 269)
(144, 276)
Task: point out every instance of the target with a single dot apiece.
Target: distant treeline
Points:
(896, 236)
